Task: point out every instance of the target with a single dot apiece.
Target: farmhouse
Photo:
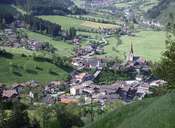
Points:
(9, 94)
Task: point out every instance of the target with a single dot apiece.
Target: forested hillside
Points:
(162, 10)
(54, 7)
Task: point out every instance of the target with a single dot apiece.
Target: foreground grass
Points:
(151, 113)
(22, 69)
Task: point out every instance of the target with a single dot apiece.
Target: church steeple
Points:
(132, 50)
(131, 54)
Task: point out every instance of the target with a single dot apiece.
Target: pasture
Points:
(22, 69)
(67, 22)
(148, 44)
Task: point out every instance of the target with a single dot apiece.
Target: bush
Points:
(17, 73)
(23, 55)
(30, 71)
(5, 54)
(53, 72)
(39, 68)
(41, 59)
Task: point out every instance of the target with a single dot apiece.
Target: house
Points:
(142, 91)
(52, 87)
(76, 90)
(80, 77)
(18, 87)
(9, 94)
(158, 83)
(93, 63)
(76, 41)
(56, 83)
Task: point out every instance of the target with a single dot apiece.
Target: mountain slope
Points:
(162, 10)
(150, 113)
(46, 7)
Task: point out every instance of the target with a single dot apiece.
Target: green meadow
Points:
(67, 22)
(22, 69)
(147, 44)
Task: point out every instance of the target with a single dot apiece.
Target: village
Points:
(17, 38)
(81, 89)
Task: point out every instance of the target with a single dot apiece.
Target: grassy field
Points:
(90, 24)
(19, 51)
(67, 22)
(148, 44)
(156, 112)
(21, 69)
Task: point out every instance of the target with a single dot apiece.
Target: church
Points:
(133, 60)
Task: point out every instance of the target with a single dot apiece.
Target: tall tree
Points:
(166, 68)
(2, 115)
(67, 119)
(19, 118)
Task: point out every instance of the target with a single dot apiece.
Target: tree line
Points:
(45, 27)
(165, 69)
(39, 25)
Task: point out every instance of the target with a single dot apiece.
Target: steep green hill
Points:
(156, 112)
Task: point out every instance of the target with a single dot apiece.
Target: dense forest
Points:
(54, 7)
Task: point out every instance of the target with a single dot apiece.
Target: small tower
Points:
(131, 54)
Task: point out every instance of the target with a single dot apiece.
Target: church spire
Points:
(132, 50)
(131, 54)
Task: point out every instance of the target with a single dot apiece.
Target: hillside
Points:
(54, 7)
(162, 10)
(22, 68)
(156, 112)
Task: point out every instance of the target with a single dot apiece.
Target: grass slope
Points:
(150, 113)
(148, 44)
(26, 70)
